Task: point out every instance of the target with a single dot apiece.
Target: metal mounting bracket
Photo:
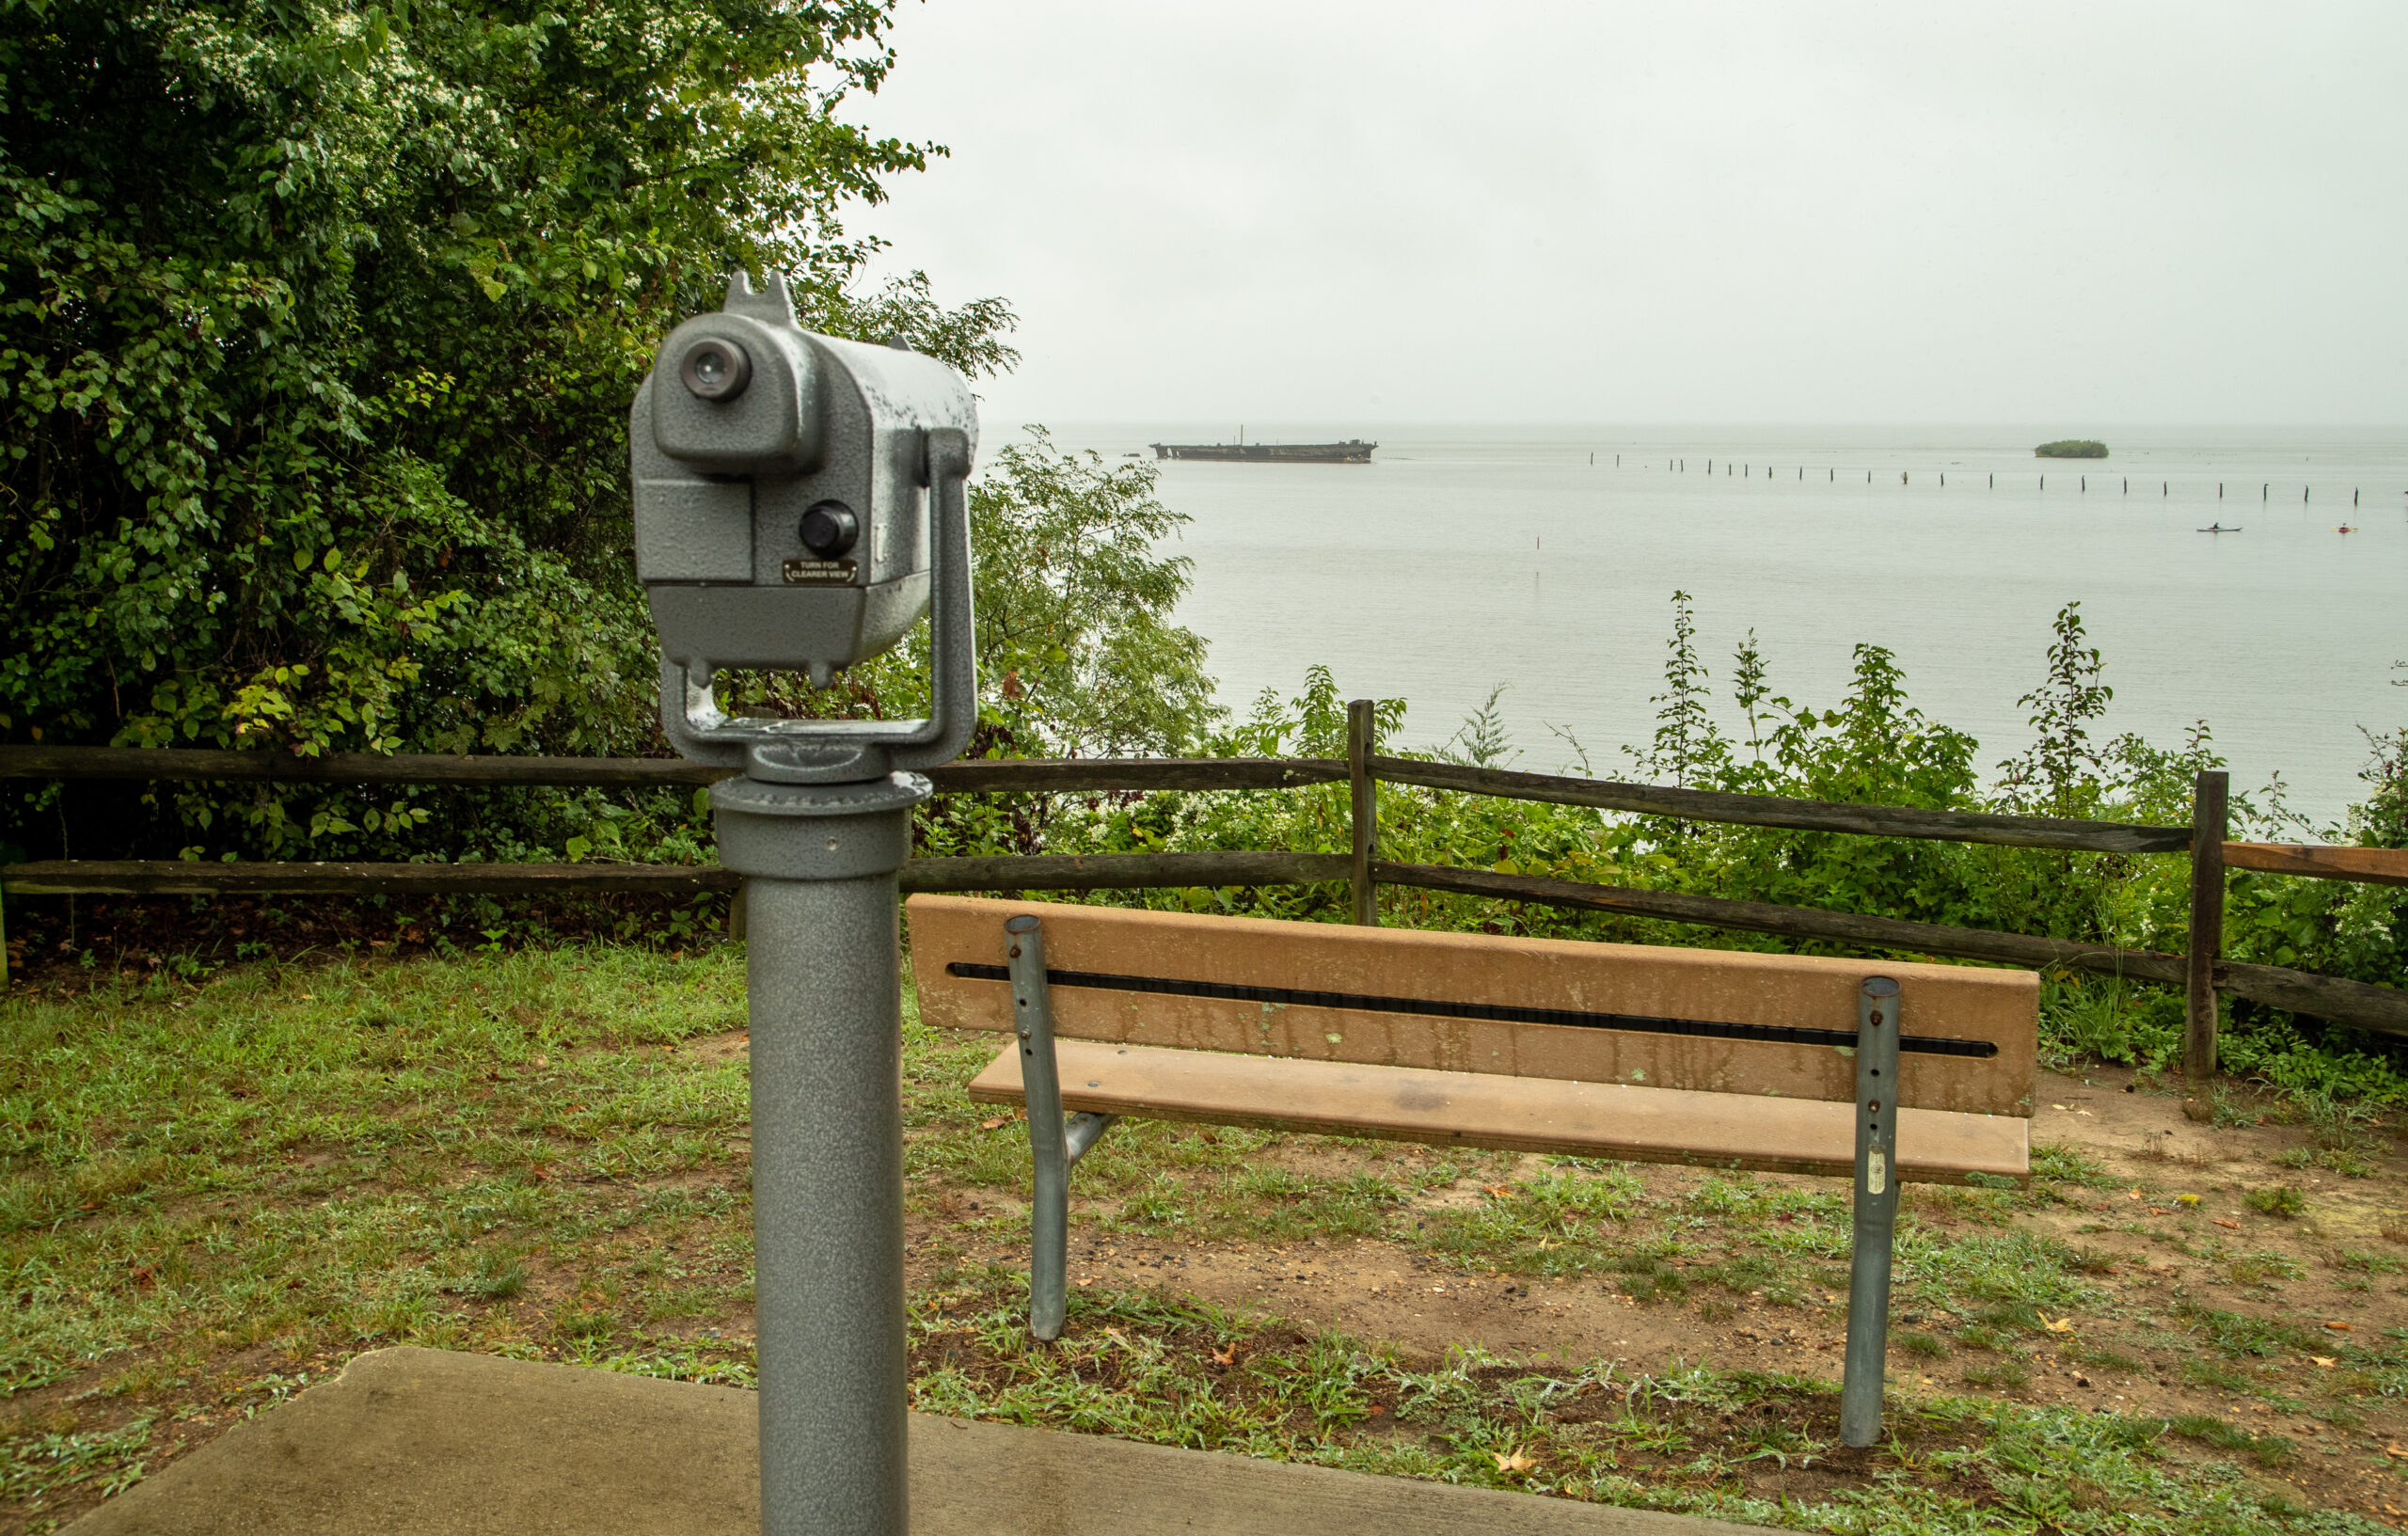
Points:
(803, 752)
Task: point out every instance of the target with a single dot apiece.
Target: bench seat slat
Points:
(1527, 1114)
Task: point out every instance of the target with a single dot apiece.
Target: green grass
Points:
(212, 1196)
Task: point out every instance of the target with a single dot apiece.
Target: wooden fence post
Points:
(2208, 826)
(1360, 723)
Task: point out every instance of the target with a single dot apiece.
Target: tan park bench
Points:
(1881, 1072)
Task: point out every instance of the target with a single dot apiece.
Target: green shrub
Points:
(2071, 448)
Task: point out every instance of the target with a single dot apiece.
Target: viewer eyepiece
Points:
(714, 370)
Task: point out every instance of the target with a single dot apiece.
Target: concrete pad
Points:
(436, 1444)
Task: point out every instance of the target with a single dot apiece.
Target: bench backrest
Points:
(1717, 1020)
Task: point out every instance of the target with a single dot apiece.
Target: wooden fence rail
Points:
(1795, 814)
(1093, 775)
(2354, 1003)
(970, 777)
(1010, 872)
(2346, 1002)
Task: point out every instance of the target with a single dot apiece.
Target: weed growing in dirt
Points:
(2279, 1200)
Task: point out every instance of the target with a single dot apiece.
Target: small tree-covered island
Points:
(2071, 448)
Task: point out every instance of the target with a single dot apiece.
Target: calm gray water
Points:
(1464, 558)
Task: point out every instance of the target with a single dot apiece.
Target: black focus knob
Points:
(829, 529)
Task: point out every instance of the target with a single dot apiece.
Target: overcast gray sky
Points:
(1401, 212)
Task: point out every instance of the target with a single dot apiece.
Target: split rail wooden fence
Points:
(2201, 972)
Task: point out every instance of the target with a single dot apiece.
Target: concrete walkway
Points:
(436, 1444)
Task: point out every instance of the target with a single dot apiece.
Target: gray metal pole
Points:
(1877, 1211)
(819, 862)
(1048, 1216)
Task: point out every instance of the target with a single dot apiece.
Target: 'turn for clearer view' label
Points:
(819, 573)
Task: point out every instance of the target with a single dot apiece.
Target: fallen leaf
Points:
(2131, 1194)
(2056, 1325)
(1512, 1461)
(1498, 1191)
(998, 1120)
(2400, 1451)
(2234, 1224)
(2057, 1106)
(2341, 1328)
(1225, 1357)
(2325, 1361)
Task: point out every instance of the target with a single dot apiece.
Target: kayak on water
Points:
(2220, 528)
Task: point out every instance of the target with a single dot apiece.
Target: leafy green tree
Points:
(1687, 747)
(1078, 653)
(319, 320)
(1074, 607)
(2052, 774)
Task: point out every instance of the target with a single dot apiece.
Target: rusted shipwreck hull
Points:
(1351, 452)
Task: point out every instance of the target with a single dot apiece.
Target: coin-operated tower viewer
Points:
(800, 501)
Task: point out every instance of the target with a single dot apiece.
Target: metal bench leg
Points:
(1053, 1146)
(1877, 1211)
